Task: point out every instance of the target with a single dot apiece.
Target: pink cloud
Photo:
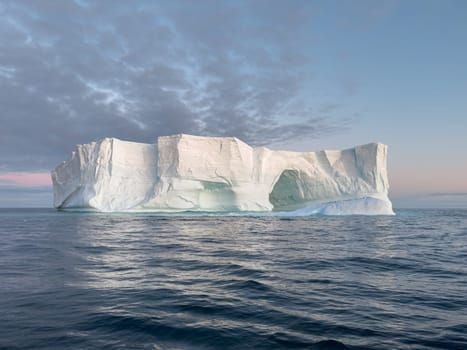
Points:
(25, 179)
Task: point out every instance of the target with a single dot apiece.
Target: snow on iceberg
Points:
(221, 174)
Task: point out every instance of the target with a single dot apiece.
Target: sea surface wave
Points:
(144, 281)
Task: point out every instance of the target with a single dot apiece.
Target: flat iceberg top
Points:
(196, 173)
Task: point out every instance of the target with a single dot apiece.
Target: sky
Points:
(294, 75)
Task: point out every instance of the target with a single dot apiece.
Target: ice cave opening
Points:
(290, 191)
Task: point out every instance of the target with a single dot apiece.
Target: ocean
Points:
(142, 281)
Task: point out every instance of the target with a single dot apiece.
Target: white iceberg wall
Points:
(325, 176)
(75, 180)
(184, 172)
(108, 175)
(132, 176)
(205, 173)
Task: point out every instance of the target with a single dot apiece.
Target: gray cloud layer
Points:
(73, 72)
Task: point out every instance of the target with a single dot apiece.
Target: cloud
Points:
(25, 197)
(448, 194)
(432, 200)
(73, 72)
(25, 179)
(14, 190)
(6, 182)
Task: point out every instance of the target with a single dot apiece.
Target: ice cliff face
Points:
(184, 172)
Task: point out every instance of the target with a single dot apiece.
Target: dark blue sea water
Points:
(95, 281)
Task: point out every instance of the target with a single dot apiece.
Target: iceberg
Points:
(221, 174)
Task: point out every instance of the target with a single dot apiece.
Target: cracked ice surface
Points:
(221, 174)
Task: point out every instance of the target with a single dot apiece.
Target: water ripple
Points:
(92, 281)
